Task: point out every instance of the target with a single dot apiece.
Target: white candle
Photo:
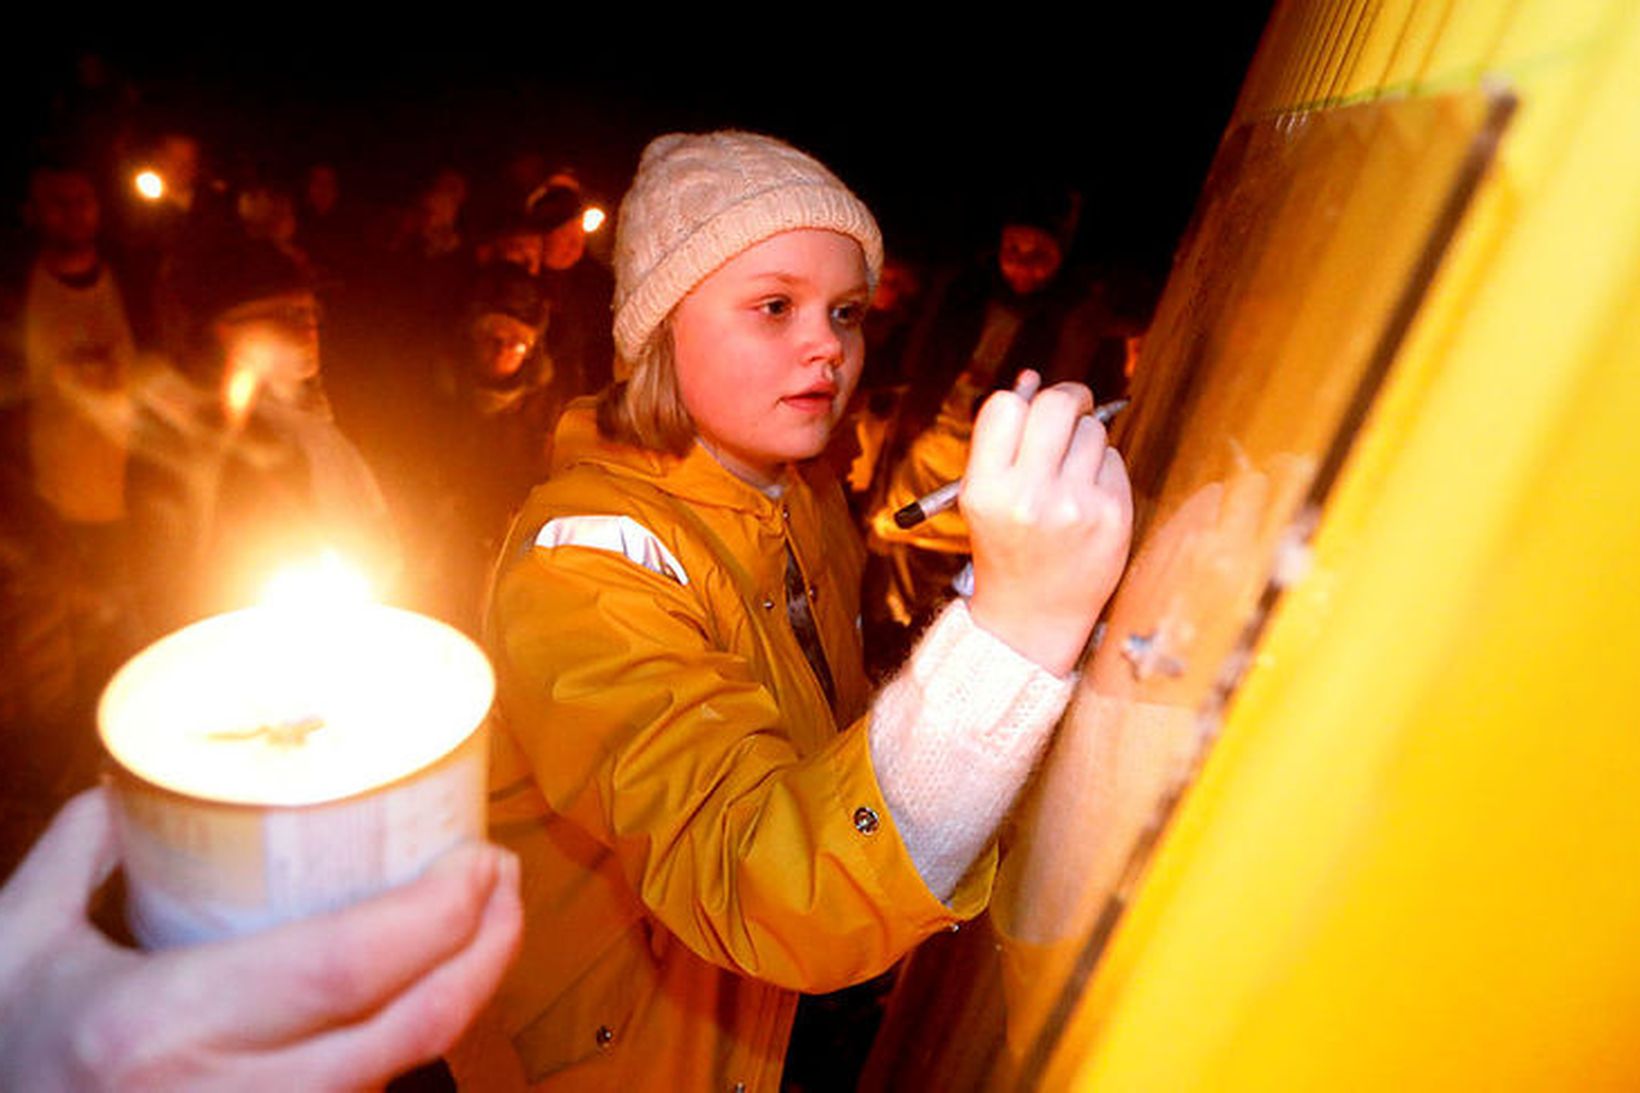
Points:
(278, 761)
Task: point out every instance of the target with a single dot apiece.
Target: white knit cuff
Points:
(953, 739)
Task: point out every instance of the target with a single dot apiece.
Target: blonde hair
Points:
(647, 411)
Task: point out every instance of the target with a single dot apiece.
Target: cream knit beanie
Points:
(699, 199)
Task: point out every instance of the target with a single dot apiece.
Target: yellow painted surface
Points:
(1413, 858)
(1381, 40)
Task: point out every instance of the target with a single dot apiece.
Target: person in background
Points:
(68, 354)
(488, 439)
(71, 326)
(157, 232)
(268, 213)
(522, 174)
(516, 242)
(578, 287)
(240, 466)
(176, 158)
(346, 999)
(891, 327)
(325, 226)
(710, 806)
(414, 290)
(321, 192)
(1018, 308)
(432, 225)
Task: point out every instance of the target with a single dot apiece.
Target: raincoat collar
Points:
(696, 477)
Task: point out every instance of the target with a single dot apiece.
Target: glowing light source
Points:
(324, 584)
(240, 393)
(292, 757)
(252, 708)
(149, 184)
(592, 219)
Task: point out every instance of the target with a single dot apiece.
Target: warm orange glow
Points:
(262, 357)
(240, 393)
(306, 702)
(312, 695)
(149, 184)
(235, 737)
(592, 219)
(325, 583)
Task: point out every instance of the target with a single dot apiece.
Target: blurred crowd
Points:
(208, 370)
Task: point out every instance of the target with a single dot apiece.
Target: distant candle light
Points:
(592, 219)
(241, 392)
(150, 185)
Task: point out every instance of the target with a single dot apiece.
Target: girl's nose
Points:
(822, 340)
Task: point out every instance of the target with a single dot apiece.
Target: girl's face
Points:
(769, 347)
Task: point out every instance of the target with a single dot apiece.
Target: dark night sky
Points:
(929, 132)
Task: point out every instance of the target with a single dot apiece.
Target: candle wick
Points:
(287, 734)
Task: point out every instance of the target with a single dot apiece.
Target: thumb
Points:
(75, 855)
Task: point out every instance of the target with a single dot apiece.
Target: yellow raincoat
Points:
(700, 841)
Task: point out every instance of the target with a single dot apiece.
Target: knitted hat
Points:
(700, 199)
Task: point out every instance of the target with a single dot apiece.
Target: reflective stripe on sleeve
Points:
(616, 534)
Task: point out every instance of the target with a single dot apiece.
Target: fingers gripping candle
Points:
(290, 758)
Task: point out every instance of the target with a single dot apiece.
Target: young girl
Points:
(713, 814)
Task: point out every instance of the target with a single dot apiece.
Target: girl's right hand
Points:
(1049, 515)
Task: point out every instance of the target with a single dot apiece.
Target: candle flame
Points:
(149, 184)
(592, 219)
(323, 584)
(240, 393)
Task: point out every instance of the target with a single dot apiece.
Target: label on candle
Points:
(328, 856)
(198, 870)
(202, 854)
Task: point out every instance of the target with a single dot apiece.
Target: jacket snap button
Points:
(606, 1035)
(768, 604)
(785, 512)
(814, 592)
(865, 821)
(739, 1087)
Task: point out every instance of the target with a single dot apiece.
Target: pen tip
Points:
(1107, 412)
(909, 517)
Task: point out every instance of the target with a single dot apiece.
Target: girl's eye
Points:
(852, 313)
(775, 307)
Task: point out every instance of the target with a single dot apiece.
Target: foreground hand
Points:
(1049, 515)
(342, 1000)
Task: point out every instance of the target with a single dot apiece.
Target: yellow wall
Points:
(1413, 858)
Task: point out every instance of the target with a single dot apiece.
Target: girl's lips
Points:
(814, 400)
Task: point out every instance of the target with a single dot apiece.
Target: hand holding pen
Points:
(936, 501)
(1049, 514)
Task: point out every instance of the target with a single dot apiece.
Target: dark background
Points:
(933, 125)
